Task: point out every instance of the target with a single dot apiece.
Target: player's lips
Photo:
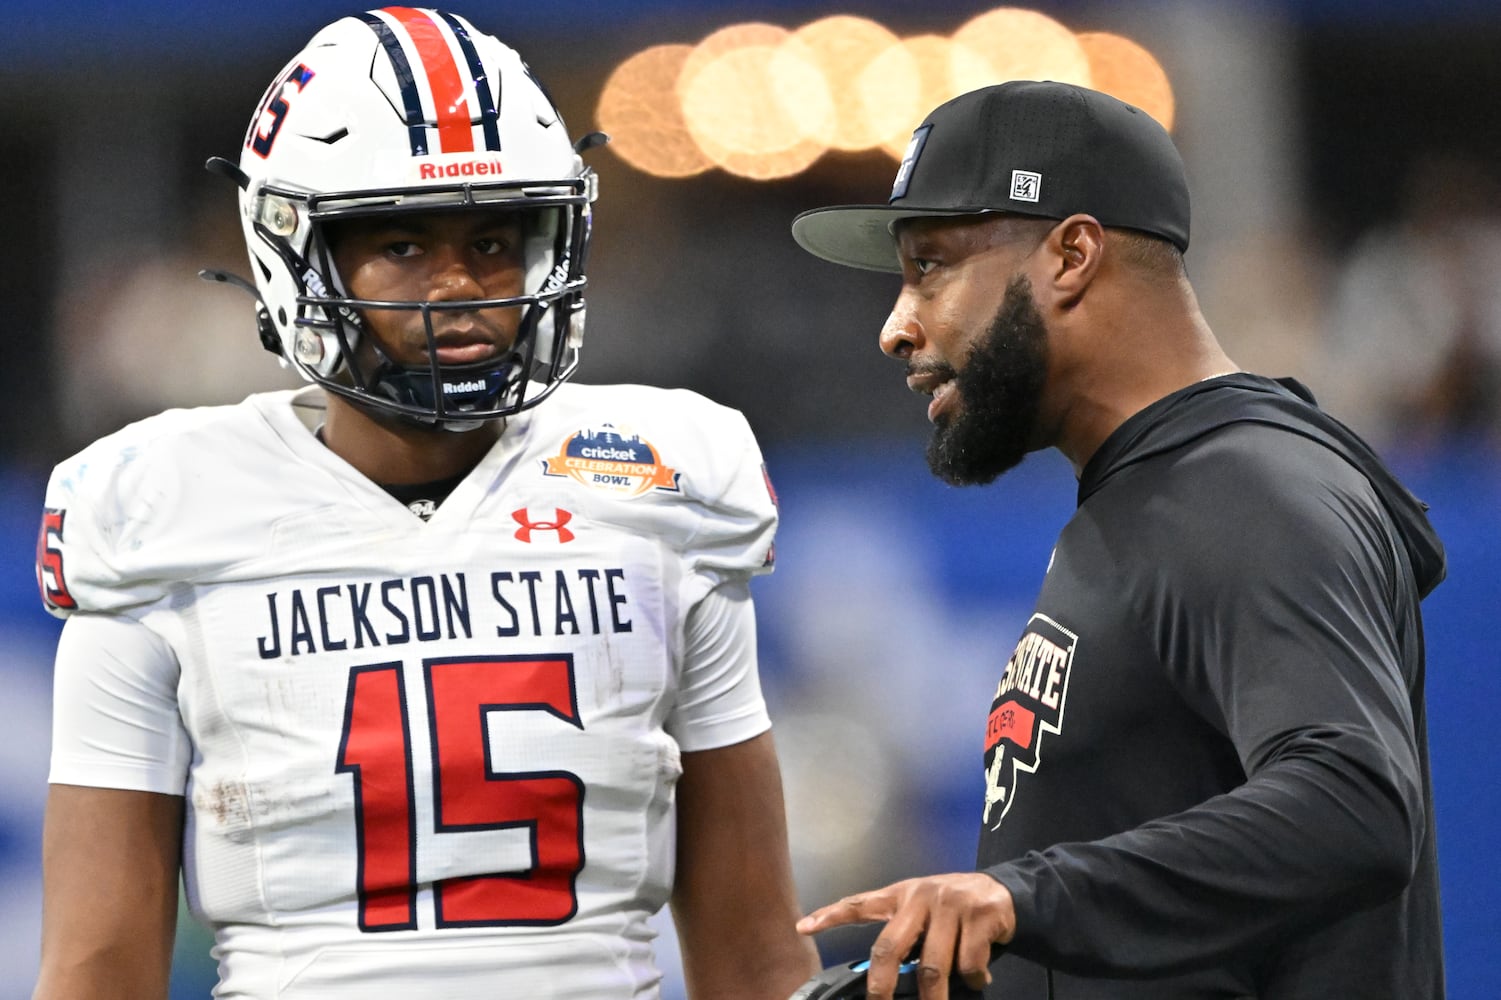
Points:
(463, 348)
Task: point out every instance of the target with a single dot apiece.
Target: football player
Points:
(425, 689)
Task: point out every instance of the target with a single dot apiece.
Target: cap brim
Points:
(859, 235)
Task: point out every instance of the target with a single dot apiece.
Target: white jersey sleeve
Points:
(116, 717)
(116, 724)
(719, 700)
(712, 506)
(738, 513)
(100, 546)
(719, 696)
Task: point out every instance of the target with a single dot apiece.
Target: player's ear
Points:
(1076, 248)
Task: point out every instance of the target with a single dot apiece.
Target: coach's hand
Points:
(958, 917)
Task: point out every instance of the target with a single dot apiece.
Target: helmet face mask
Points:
(408, 110)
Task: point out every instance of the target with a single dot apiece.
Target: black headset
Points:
(847, 982)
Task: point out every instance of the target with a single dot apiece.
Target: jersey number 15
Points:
(468, 794)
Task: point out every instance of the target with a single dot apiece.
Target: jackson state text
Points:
(393, 612)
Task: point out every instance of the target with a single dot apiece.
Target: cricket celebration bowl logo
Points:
(612, 458)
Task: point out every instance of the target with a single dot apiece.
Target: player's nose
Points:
(452, 275)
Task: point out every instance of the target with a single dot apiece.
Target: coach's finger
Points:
(973, 955)
(937, 958)
(892, 945)
(864, 908)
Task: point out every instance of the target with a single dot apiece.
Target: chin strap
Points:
(475, 390)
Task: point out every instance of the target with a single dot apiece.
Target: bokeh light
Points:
(1123, 69)
(760, 101)
(751, 96)
(845, 48)
(891, 90)
(639, 109)
(1017, 44)
(940, 64)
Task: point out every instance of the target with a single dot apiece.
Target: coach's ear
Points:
(1075, 248)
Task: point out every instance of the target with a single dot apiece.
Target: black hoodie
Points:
(1206, 762)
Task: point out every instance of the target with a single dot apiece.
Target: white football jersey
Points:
(422, 758)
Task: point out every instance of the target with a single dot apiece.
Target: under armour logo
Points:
(560, 518)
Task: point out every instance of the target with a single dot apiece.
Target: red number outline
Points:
(49, 561)
(469, 792)
(385, 822)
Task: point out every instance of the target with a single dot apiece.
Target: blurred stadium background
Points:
(1344, 161)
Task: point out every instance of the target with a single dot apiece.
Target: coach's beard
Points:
(1000, 392)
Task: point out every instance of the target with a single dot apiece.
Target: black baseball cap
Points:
(1026, 147)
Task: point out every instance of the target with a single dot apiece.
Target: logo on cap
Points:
(1025, 185)
(909, 160)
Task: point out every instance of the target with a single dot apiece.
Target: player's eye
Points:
(504, 240)
(922, 265)
(403, 248)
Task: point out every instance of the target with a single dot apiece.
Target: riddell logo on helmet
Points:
(469, 168)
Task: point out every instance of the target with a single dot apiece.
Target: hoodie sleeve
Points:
(1282, 607)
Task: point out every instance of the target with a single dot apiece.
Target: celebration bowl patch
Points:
(612, 458)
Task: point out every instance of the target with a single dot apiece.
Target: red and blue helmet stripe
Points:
(457, 83)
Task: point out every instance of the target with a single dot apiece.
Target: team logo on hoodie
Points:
(1028, 704)
(612, 458)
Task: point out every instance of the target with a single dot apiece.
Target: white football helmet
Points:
(412, 110)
